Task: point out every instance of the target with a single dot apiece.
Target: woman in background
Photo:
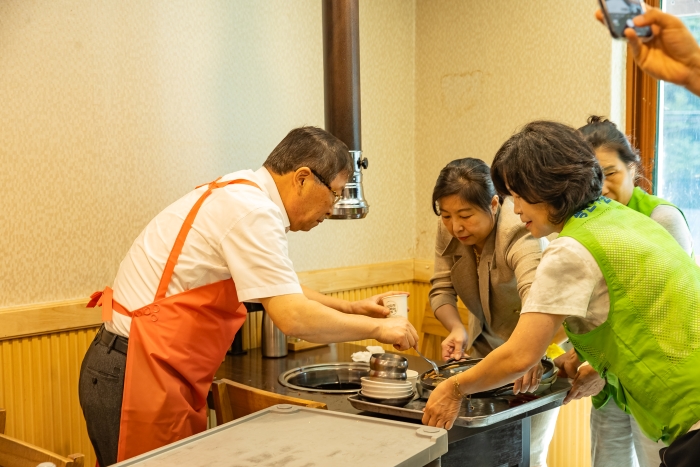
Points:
(615, 436)
(485, 256)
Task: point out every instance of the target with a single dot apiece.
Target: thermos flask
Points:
(274, 341)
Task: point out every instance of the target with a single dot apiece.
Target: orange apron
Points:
(176, 344)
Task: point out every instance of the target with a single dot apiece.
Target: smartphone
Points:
(618, 15)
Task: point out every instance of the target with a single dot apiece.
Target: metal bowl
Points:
(388, 362)
(400, 375)
(394, 402)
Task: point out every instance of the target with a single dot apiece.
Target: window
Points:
(677, 176)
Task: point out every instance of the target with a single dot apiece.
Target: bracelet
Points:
(455, 388)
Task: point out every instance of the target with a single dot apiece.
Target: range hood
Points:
(341, 72)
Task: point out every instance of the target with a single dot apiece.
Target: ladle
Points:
(435, 367)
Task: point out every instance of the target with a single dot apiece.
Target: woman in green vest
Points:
(615, 436)
(627, 294)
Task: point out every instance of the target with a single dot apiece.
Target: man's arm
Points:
(310, 320)
(331, 302)
(372, 306)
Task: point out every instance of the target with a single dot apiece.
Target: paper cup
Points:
(397, 305)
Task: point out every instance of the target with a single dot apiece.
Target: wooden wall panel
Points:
(571, 445)
(39, 390)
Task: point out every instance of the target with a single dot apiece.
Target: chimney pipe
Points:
(341, 70)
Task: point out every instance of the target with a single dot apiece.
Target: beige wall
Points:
(483, 69)
(113, 109)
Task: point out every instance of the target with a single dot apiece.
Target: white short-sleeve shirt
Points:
(239, 232)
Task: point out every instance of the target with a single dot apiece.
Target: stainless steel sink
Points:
(331, 378)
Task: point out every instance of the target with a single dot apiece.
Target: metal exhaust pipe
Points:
(341, 70)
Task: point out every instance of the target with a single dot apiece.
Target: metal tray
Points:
(486, 411)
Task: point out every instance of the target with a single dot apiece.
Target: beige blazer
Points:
(495, 293)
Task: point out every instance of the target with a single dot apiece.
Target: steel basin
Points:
(330, 378)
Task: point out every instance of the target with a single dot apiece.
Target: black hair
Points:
(470, 179)
(549, 162)
(602, 133)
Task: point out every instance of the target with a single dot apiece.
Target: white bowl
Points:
(387, 391)
(378, 395)
(376, 389)
(384, 383)
(392, 390)
(412, 375)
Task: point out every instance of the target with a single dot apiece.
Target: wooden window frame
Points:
(641, 114)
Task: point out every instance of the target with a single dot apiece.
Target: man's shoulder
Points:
(243, 202)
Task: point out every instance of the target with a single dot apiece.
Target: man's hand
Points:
(568, 364)
(672, 54)
(454, 344)
(373, 306)
(442, 408)
(397, 332)
(530, 380)
(586, 383)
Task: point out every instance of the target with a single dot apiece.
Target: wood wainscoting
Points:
(42, 347)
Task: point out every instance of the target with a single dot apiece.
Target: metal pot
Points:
(429, 381)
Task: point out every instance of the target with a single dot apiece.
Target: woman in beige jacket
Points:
(485, 256)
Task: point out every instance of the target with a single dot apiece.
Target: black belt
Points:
(113, 341)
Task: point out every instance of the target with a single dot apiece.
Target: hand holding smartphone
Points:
(618, 16)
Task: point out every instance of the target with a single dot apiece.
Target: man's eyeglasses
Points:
(336, 196)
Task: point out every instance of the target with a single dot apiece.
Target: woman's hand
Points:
(443, 406)
(454, 344)
(568, 364)
(530, 380)
(373, 306)
(586, 383)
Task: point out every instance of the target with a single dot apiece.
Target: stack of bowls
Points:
(387, 382)
(373, 388)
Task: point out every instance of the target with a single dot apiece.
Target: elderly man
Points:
(176, 302)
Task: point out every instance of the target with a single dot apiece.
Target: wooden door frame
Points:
(641, 116)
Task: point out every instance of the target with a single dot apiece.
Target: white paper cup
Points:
(397, 305)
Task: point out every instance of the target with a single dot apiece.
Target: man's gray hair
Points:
(314, 148)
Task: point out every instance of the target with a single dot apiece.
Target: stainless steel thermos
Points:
(274, 341)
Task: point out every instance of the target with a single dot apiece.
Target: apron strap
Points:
(185, 229)
(104, 299)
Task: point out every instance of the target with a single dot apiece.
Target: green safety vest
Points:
(645, 203)
(648, 350)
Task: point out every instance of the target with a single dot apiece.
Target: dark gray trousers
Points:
(100, 392)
